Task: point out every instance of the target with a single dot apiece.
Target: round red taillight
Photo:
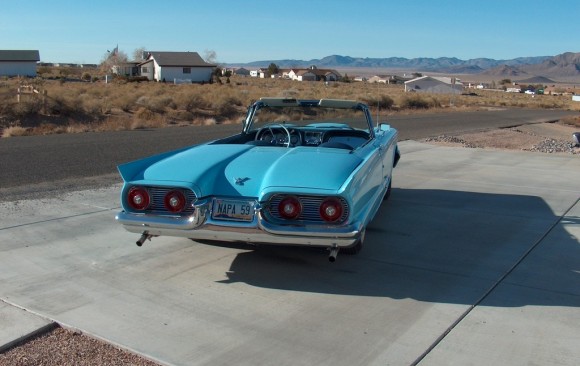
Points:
(138, 198)
(174, 201)
(290, 208)
(331, 210)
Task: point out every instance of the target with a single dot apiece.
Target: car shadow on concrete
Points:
(436, 246)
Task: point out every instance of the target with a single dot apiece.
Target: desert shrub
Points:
(145, 114)
(116, 123)
(159, 104)
(86, 76)
(15, 131)
(27, 107)
(137, 79)
(47, 128)
(383, 101)
(414, 102)
(228, 107)
(125, 102)
(95, 107)
(190, 101)
(436, 103)
(180, 115)
(78, 128)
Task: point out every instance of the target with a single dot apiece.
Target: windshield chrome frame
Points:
(249, 119)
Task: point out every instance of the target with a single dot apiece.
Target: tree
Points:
(273, 69)
(138, 54)
(113, 59)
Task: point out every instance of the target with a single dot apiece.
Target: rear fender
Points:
(129, 171)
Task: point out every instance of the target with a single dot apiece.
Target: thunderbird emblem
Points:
(241, 181)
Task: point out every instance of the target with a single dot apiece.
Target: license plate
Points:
(233, 210)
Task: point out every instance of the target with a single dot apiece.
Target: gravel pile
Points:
(544, 138)
(61, 347)
(451, 140)
(555, 146)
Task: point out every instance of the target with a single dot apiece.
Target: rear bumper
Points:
(200, 226)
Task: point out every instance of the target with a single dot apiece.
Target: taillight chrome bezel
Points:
(175, 201)
(138, 198)
(331, 209)
(290, 208)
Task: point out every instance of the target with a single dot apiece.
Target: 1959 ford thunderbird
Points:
(301, 172)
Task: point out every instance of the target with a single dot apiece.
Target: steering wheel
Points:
(270, 126)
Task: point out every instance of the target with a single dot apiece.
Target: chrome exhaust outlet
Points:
(333, 254)
(144, 236)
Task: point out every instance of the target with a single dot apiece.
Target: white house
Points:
(18, 62)
(433, 84)
(173, 66)
(302, 75)
(313, 74)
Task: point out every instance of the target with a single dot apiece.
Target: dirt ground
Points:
(551, 138)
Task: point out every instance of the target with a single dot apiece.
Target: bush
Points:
(145, 114)
(27, 107)
(228, 107)
(414, 102)
(383, 101)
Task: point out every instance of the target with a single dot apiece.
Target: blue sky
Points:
(244, 31)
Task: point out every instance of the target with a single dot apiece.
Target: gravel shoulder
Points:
(551, 138)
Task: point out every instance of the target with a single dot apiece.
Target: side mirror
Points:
(384, 126)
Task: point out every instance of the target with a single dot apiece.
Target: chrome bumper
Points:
(200, 226)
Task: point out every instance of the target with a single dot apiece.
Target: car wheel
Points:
(357, 247)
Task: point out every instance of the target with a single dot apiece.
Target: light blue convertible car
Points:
(301, 172)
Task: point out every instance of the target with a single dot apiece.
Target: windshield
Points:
(310, 113)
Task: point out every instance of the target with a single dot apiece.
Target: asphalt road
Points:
(38, 165)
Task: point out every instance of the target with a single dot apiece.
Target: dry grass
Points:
(76, 106)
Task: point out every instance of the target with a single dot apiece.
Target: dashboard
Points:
(291, 136)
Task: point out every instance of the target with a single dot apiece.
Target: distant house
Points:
(515, 88)
(260, 73)
(176, 66)
(18, 62)
(264, 73)
(302, 75)
(312, 74)
(378, 79)
(433, 84)
(387, 79)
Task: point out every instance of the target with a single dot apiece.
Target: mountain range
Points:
(566, 65)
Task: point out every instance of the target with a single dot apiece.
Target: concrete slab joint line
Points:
(492, 288)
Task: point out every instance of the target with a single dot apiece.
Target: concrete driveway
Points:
(474, 260)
